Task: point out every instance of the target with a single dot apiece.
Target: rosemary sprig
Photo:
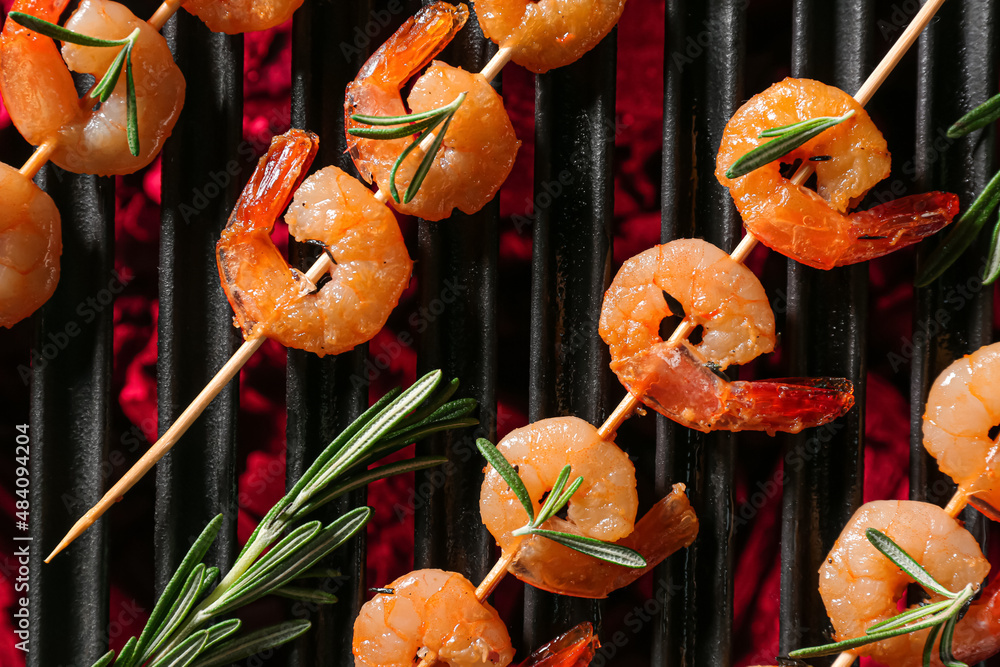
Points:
(941, 617)
(556, 500)
(788, 138)
(981, 116)
(962, 234)
(102, 91)
(423, 123)
(184, 630)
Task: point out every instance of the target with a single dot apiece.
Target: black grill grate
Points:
(825, 324)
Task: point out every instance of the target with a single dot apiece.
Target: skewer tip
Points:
(82, 524)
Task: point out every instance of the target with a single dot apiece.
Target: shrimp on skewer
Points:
(479, 145)
(546, 34)
(962, 407)
(813, 227)
(238, 16)
(861, 587)
(433, 616)
(727, 301)
(370, 264)
(41, 98)
(604, 508)
(30, 245)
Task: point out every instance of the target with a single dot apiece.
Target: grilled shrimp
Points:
(962, 407)
(668, 526)
(238, 16)
(861, 587)
(434, 616)
(546, 34)
(370, 270)
(813, 227)
(30, 245)
(479, 145)
(603, 508)
(39, 93)
(724, 298)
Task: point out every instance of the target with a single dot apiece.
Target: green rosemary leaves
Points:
(788, 138)
(941, 617)
(967, 228)
(556, 500)
(184, 629)
(102, 91)
(423, 123)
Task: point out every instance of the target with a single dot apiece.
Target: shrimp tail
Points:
(788, 405)
(574, 648)
(675, 380)
(273, 183)
(410, 49)
(977, 635)
(897, 224)
(670, 525)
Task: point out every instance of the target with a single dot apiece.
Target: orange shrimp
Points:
(603, 508)
(40, 95)
(432, 616)
(546, 34)
(371, 267)
(238, 16)
(670, 525)
(479, 146)
(962, 407)
(861, 587)
(573, 648)
(813, 227)
(30, 245)
(727, 301)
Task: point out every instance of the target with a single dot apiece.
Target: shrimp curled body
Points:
(434, 616)
(238, 16)
(546, 34)
(727, 301)
(962, 406)
(479, 145)
(812, 227)
(41, 97)
(861, 587)
(603, 508)
(371, 267)
(30, 245)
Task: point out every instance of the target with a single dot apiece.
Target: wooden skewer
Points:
(163, 13)
(159, 449)
(845, 659)
(957, 503)
(864, 94)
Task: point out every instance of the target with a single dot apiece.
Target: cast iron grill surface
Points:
(716, 53)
